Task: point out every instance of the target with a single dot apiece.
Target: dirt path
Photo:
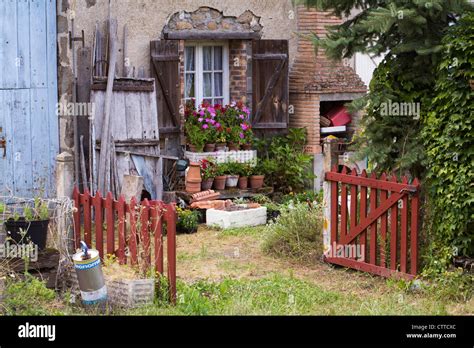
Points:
(211, 255)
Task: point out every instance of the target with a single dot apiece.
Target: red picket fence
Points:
(128, 230)
(381, 217)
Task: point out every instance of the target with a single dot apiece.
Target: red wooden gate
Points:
(127, 230)
(379, 217)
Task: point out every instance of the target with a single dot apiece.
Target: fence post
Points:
(171, 248)
(330, 160)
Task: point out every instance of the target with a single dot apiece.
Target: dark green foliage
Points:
(283, 162)
(408, 33)
(448, 136)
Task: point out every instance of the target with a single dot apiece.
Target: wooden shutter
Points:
(165, 70)
(270, 84)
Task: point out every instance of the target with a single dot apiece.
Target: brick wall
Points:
(238, 70)
(312, 74)
(306, 115)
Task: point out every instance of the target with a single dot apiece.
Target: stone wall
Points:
(209, 19)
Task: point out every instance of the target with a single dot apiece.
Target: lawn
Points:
(227, 273)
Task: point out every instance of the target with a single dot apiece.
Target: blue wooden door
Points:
(28, 97)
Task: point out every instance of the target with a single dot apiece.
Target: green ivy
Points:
(448, 136)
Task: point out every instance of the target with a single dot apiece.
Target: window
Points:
(206, 76)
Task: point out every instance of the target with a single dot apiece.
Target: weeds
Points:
(296, 233)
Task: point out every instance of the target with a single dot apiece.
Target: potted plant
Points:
(232, 170)
(196, 137)
(257, 177)
(245, 172)
(221, 140)
(246, 136)
(220, 178)
(31, 226)
(188, 220)
(210, 139)
(208, 172)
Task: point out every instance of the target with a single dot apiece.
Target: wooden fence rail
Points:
(379, 216)
(128, 230)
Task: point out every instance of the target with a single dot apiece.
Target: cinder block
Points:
(239, 218)
(124, 292)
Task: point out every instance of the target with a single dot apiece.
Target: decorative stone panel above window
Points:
(209, 23)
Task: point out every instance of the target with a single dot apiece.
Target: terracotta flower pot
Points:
(193, 187)
(256, 181)
(247, 147)
(210, 148)
(232, 180)
(233, 147)
(243, 182)
(206, 184)
(194, 148)
(220, 146)
(219, 182)
(193, 178)
(194, 172)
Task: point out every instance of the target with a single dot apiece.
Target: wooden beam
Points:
(372, 217)
(366, 267)
(270, 56)
(210, 35)
(104, 163)
(374, 183)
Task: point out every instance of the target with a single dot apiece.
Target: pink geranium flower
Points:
(200, 119)
(241, 135)
(244, 126)
(205, 126)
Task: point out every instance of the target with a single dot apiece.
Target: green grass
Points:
(257, 231)
(284, 295)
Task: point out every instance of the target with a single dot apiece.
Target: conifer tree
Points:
(408, 34)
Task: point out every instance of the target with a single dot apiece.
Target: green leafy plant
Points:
(188, 220)
(28, 297)
(283, 162)
(196, 136)
(39, 211)
(448, 135)
(231, 168)
(244, 169)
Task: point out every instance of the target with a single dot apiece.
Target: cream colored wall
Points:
(145, 19)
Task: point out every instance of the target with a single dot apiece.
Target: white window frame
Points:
(199, 73)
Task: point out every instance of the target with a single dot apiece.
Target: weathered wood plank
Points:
(38, 45)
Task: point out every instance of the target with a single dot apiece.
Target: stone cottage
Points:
(221, 51)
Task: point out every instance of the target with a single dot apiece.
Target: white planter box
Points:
(223, 156)
(239, 218)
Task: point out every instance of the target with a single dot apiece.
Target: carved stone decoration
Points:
(208, 20)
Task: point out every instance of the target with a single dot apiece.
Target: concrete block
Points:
(239, 218)
(129, 293)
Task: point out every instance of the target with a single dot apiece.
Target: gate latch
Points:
(410, 190)
(3, 145)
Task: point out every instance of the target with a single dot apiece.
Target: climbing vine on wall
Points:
(448, 136)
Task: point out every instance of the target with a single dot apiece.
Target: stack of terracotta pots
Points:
(193, 178)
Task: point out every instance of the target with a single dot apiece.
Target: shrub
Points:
(448, 136)
(296, 233)
(282, 159)
(188, 220)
